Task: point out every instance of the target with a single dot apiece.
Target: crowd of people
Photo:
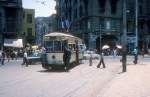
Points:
(13, 54)
(7, 55)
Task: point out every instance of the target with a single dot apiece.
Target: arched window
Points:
(101, 5)
(81, 11)
(113, 6)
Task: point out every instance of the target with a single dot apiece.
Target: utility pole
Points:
(124, 41)
(136, 23)
(100, 40)
(2, 48)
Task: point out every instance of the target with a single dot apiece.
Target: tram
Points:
(55, 43)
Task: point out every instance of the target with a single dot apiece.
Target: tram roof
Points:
(60, 34)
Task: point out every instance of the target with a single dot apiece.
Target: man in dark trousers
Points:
(101, 61)
(66, 57)
(3, 58)
(135, 55)
(90, 59)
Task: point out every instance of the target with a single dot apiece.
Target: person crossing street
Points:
(25, 61)
(101, 61)
(135, 55)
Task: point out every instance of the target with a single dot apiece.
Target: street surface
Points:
(81, 81)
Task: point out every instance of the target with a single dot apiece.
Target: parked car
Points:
(33, 58)
(91, 53)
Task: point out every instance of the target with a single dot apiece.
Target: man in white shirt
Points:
(25, 61)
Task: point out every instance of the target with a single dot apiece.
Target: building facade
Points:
(10, 19)
(95, 20)
(43, 26)
(144, 24)
(29, 26)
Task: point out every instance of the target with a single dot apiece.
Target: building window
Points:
(140, 10)
(102, 6)
(29, 31)
(113, 6)
(75, 13)
(81, 11)
(102, 24)
(29, 18)
(75, 2)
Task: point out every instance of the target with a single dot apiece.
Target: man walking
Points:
(101, 61)
(135, 55)
(90, 59)
(25, 61)
(3, 58)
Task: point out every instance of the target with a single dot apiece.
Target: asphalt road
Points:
(34, 81)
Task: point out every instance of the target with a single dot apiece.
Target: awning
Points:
(105, 47)
(18, 43)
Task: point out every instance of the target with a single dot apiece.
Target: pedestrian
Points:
(0, 56)
(3, 58)
(16, 54)
(8, 55)
(142, 52)
(135, 55)
(90, 59)
(25, 60)
(115, 53)
(67, 57)
(101, 61)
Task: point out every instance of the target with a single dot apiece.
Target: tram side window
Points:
(57, 46)
(49, 46)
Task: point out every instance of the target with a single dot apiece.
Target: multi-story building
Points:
(95, 20)
(144, 24)
(43, 26)
(10, 19)
(29, 26)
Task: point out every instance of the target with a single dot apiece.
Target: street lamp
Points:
(124, 41)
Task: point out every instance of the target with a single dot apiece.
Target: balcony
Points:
(12, 3)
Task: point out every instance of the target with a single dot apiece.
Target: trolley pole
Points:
(124, 41)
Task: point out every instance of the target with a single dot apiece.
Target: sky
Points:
(42, 7)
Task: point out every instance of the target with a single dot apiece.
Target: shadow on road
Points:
(137, 64)
(121, 72)
(52, 70)
(58, 69)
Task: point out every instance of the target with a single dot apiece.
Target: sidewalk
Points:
(133, 83)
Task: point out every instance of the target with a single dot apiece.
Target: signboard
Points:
(18, 43)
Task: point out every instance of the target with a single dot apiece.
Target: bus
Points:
(54, 44)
